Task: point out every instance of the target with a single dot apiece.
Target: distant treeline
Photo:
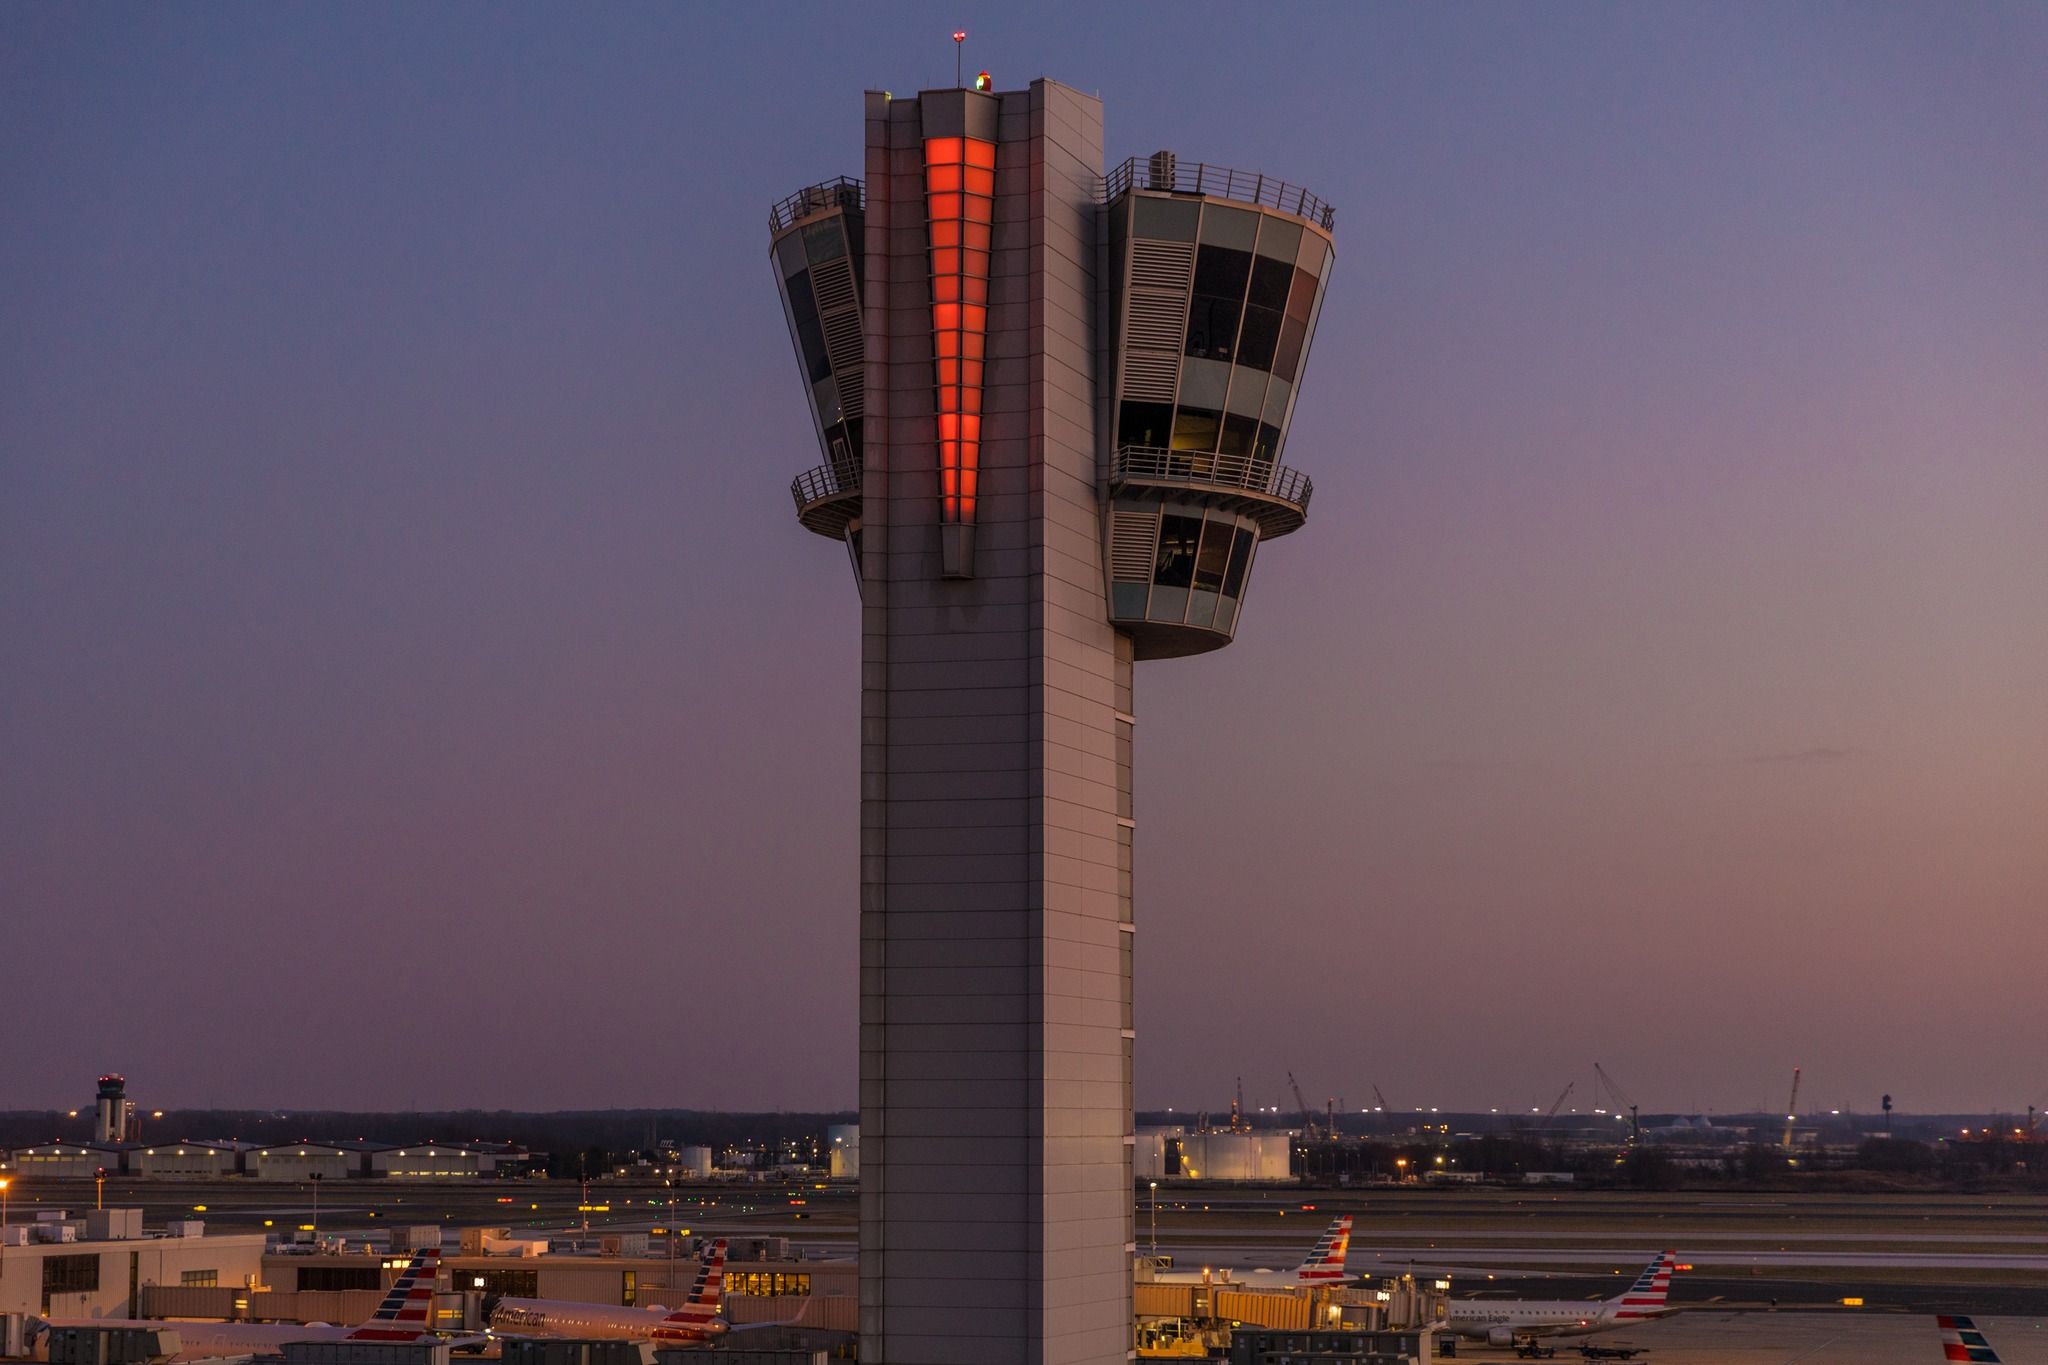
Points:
(596, 1138)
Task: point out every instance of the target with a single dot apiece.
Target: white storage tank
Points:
(842, 1140)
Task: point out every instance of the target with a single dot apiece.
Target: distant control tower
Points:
(114, 1114)
(1052, 406)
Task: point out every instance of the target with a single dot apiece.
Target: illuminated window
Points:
(762, 1283)
(959, 183)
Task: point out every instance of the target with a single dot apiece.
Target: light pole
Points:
(316, 1208)
(1155, 1218)
(4, 1183)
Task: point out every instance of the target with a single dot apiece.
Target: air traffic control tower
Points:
(1053, 406)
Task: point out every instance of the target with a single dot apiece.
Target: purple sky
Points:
(415, 690)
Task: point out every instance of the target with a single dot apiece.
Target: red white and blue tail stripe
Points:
(1960, 1340)
(1646, 1297)
(1326, 1263)
(407, 1313)
(699, 1313)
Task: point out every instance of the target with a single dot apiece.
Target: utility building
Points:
(1052, 405)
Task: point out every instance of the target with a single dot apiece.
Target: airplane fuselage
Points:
(597, 1322)
(1559, 1318)
(212, 1340)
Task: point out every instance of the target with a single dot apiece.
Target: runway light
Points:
(1853, 1302)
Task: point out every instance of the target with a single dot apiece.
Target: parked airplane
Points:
(1503, 1322)
(697, 1320)
(1960, 1340)
(1324, 1264)
(405, 1315)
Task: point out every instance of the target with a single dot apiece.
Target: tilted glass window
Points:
(1221, 274)
(1214, 555)
(823, 240)
(810, 333)
(1212, 327)
(1238, 435)
(1240, 559)
(1222, 271)
(1144, 424)
(1195, 429)
(1271, 282)
(1259, 338)
(1287, 356)
(1179, 538)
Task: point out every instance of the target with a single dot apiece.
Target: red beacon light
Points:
(984, 82)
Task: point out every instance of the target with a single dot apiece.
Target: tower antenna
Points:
(959, 42)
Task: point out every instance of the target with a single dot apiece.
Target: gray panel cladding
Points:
(997, 937)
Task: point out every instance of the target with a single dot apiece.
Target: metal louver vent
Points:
(1132, 537)
(839, 314)
(1157, 321)
(833, 282)
(842, 346)
(1149, 376)
(1156, 318)
(1162, 265)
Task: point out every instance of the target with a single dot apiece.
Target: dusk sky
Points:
(415, 689)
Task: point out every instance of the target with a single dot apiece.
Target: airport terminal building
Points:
(1053, 407)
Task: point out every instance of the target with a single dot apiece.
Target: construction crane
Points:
(1237, 1118)
(1791, 1110)
(1621, 1098)
(1562, 1096)
(1308, 1119)
(1381, 1099)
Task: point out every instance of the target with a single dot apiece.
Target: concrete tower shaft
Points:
(988, 339)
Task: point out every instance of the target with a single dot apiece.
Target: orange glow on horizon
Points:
(959, 184)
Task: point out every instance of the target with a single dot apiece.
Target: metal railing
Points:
(826, 481)
(842, 193)
(1156, 465)
(1168, 174)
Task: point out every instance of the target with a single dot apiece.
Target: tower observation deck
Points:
(1052, 406)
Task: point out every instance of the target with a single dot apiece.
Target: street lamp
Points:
(672, 1238)
(315, 1176)
(4, 1183)
(1155, 1218)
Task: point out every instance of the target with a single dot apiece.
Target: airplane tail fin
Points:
(1646, 1297)
(707, 1294)
(1960, 1340)
(1326, 1262)
(407, 1312)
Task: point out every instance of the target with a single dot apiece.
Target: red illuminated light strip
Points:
(959, 191)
